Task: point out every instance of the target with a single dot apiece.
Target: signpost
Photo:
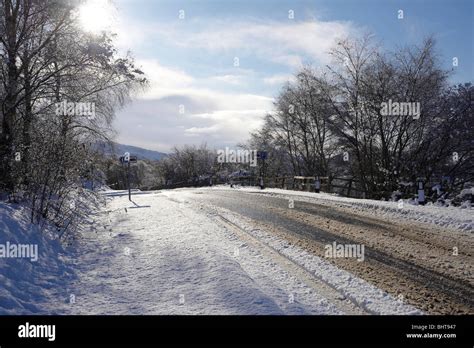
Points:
(421, 192)
(262, 155)
(127, 159)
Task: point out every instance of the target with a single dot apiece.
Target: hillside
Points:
(141, 153)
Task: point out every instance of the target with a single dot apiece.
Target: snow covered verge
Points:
(32, 264)
(458, 218)
(35, 259)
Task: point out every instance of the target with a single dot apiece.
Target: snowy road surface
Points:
(165, 254)
(244, 251)
(156, 257)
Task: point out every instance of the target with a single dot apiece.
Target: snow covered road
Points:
(165, 254)
(161, 258)
(243, 251)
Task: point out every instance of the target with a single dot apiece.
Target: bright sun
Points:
(96, 15)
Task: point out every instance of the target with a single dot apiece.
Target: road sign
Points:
(125, 158)
(128, 159)
(262, 155)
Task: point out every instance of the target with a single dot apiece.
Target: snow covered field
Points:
(160, 254)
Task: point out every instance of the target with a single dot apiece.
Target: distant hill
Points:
(142, 154)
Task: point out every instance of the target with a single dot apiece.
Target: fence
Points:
(343, 186)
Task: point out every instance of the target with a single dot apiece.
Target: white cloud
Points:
(285, 42)
(218, 108)
(163, 78)
(203, 130)
(278, 79)
(230, 79)
(166, 127)
(210, 116)
(228, 126)
(291, 60)
(275, 41)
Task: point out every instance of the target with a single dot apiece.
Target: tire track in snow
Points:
(323, 288)
(290, 220)
(363, 295)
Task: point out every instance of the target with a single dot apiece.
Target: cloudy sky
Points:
(215, 66)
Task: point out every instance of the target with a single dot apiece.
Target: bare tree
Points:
(48, 60)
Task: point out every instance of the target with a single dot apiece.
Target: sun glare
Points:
(96, 15)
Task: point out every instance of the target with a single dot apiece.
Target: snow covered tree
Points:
(336, 122)
(49, 67)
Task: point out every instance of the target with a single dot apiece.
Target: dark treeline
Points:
(331, 123)
(45, 60)
(183, 165)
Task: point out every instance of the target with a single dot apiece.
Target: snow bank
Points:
(29, 286)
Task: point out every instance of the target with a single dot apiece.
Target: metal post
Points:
(92, 176)
(317, 185)
(128, 179)
(262, 173)
(421, 192)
